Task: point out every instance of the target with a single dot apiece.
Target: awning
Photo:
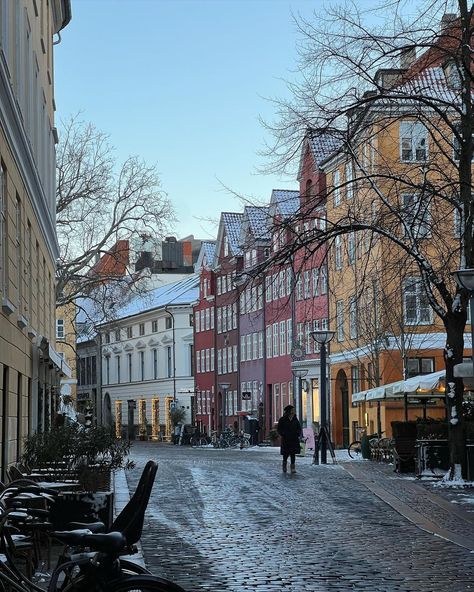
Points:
(425, 385)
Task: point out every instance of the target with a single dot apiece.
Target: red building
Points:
(310, 269)
(204, 340)
(227, 263)
(279, 284)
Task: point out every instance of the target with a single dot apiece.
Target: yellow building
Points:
(385, 328)
(30, 367)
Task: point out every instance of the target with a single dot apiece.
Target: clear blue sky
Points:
(180, 83)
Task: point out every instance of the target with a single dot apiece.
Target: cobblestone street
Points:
(230, 520)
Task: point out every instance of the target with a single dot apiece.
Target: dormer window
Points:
(413, 141)
(226, 247)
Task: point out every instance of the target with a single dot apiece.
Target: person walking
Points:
(289, 429)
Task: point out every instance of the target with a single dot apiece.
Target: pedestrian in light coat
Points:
(289, 429)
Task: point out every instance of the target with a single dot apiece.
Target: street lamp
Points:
(224, 386)
(300, 373)
(323, 337)
(465, 279)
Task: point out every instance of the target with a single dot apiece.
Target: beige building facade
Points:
(30, 367)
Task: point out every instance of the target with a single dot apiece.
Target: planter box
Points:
(432, 458)
(82, 507)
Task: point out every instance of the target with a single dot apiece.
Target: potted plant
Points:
(177, 416)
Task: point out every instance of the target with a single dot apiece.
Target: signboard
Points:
(246, 395)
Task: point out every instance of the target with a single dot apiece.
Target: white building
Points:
(147, 357)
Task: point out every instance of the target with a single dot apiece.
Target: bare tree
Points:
(398, 97)
(100, 205)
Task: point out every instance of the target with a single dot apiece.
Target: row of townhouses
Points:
(261, 296)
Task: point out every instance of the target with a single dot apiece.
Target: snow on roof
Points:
(178, 293)
(286, 201)
(431, 83)
(232, 222)
(323, 144)
(209, 248)
(260, 221)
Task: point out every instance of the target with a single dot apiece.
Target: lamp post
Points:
(300, 373)
(465, 279)
(323, 337)
(224, 386)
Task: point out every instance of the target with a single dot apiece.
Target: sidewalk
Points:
(442, 511)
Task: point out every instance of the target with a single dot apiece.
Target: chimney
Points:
(447, 20)
(407, 57)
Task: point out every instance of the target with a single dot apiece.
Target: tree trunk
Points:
(453, 354)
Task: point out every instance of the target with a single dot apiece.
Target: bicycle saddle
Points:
(110, 543)
(94, 527)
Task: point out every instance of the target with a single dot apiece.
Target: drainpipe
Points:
(174, 352)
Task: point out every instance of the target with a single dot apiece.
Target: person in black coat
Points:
(289, 429)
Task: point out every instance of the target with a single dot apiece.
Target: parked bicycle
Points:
(355, 448)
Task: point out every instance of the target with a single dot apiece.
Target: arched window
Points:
(308, 190)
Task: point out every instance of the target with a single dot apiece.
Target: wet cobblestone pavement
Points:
(230, 520)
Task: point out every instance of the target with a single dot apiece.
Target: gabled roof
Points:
(230, 223)
(321, 143)
(113, 263)
(257, 222)
(206, 255)
(284, 202)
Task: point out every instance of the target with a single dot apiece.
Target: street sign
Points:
(246, 395)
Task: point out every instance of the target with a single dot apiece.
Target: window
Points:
(315, 272)
(226, 246)
(169, 363)
(336, 181)
(248, 338)
(142, 365)
(275, 287)
(289, 276)
(212, 359)
(352, 317)
(141, 329)
(416, 216)
(417, 366)
(268, 288)
(307, 284)
(107, 370)
(275, 340)
(260, 344)
(349, 181)
(60, 333)
(340, 320)
(208, 319)
(117, 361)
(299, 288)
(299, 334)
(168, 323)
(208, 360)
(323, 281)
(129, 366)
(351, 247)
(416, 306)
(289, 336)
(107, 337)
(281, 284)
(219, 319)
(117, 335)
(355, 379)
(315, 343)
(212, 318)
(413, 141)
(269, 341)
(219, 286)
(254, 346)
(154, 326)
(243, 357)
(338, 254)
(224, 361)
(282, 338)
(308, 337)
(129, 332)
(234, 315)
(155, 364)
(197, 323)
(234, 353)
(259, 296)
(219, 361)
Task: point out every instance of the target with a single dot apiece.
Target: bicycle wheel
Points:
(244, 443)
(73, 571)
(203, 441)
(144, 583)
(355, 449)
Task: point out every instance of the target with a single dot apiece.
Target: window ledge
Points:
(21, 321)
(7, 306)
